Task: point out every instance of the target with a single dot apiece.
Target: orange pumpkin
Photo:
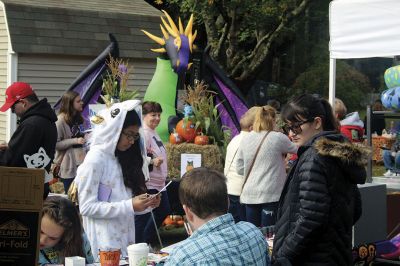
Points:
(168, 221)
(174, 138)
(186, 129)
(180, 223)
(201, 140)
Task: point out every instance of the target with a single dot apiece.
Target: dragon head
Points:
(176, 42)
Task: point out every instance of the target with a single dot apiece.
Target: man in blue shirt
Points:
(216, 240)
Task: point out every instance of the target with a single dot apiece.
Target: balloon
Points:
(386, 98)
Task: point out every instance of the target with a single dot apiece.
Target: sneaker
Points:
(389, 173)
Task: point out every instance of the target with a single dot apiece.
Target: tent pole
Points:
(332, 81)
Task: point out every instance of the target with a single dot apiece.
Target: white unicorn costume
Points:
(108, 224)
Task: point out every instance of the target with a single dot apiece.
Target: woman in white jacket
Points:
(266, 179)
(234, 181)
(111, 179)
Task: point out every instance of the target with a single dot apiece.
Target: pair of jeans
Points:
(391, 162)
(145, 232)
(237, 209)
(261, 215)
(67, 183)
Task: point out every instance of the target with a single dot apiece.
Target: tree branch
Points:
(261, 50)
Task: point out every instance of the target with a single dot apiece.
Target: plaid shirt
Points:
(222, 242)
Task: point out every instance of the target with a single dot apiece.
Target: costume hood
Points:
(108, 126)
(352, 119)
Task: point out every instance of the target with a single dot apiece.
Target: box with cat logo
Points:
(21, 200)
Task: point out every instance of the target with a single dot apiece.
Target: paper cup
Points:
(137, 254)
(110, 257)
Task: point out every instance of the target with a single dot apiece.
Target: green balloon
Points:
(162, 89)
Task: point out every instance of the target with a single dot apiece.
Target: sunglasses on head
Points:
(296, 127)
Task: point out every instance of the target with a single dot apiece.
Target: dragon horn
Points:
(189, 26)
(159, 50)
(158, 40)
(171, 22)
(169, 28)
(180, 26)
(191, 39)
(165, 33)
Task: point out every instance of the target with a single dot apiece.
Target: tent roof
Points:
(364, 28)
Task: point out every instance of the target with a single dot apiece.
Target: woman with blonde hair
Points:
(234, 181)
(260, 160)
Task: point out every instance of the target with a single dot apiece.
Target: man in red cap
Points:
(33, 143)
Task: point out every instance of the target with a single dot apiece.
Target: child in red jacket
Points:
(350, 124)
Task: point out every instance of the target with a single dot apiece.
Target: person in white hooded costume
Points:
(112, 177)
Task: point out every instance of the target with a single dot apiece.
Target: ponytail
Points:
(264, 119)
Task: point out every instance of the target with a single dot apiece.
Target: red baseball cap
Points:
(18, 90)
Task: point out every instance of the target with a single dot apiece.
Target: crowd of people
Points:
(119, 179)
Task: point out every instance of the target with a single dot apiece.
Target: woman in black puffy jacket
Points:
(320, 201)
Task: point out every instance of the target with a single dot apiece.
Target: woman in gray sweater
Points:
(264, 184)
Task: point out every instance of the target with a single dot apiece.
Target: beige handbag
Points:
(73, 193)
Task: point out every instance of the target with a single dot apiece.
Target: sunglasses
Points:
(296, 127)
(131, 137)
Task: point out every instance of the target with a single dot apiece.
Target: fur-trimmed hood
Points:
(347, 152)
(352, 156)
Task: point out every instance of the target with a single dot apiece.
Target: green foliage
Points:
(351, 85)
(115, 84)
(205, 114)
(241, 33)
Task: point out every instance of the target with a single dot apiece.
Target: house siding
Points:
(3, 72)
(51, 76)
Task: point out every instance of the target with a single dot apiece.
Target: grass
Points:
(378, 169)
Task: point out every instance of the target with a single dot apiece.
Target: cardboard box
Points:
(21, 200)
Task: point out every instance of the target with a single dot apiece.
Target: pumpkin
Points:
(180, 223)
(186, 129)
(174, 138)
(168, 221)
(201, 139)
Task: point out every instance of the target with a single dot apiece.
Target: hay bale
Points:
(57, 188)
(211, 157)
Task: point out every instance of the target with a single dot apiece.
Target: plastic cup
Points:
(110, 257)
(137, 254)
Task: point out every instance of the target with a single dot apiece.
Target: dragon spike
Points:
(189, 26)
(180, 27)
(159, 50)
(178, 63)
(171, 22)
(169, 28)
(191, 40)
(165, 33)
(178, 42)
(158, 40)
(189, 65)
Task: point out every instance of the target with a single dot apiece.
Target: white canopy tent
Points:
(362, 29)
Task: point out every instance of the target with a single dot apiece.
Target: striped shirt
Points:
(222, 242)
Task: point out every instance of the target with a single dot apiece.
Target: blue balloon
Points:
(396, 99)
(386, 98)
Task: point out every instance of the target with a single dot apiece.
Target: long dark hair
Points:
(64, 213)
(71, 116)
(308, 106)
(131, 160)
